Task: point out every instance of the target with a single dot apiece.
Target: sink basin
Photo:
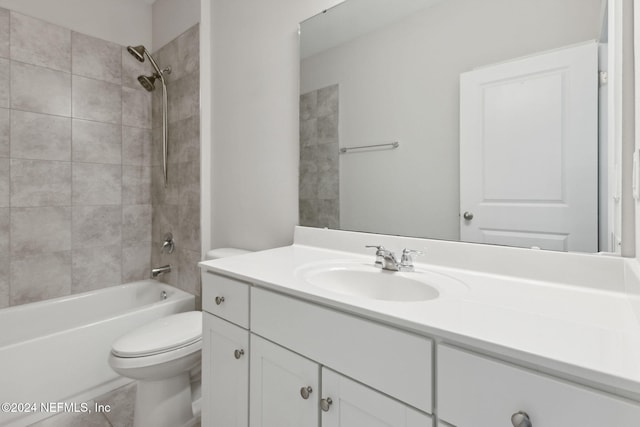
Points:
(369, 282)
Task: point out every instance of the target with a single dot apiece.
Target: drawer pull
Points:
(219, 300)
(325, 404)
(305, 392)
(238, 354)
(521, 419)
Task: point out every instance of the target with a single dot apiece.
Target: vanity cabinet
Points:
(284, 387)
(285, 391)
(225, 373)
(476, 390)
(225, 351)
(353, 404)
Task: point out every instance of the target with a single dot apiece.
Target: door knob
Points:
(468, 216)
(305, 392)
(325, 404)
(521, 419)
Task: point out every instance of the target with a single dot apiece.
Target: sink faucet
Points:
(387, 260)
(155, 272)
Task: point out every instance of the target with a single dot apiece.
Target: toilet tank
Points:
(224, 252)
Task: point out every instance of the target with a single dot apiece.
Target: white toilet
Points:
(161, 355)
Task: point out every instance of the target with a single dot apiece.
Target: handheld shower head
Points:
(137, 52)
(147, 82)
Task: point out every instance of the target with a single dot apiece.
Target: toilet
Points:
(162, 355)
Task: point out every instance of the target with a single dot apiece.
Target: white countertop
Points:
(586, 335)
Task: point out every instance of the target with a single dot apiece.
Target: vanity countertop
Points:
(586, 335)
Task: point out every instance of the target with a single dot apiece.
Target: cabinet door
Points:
(355, 405)
(225, 374)
(278, 377)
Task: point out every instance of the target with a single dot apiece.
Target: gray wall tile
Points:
(4, 257)
(136, 108)
(42, 229)
(136, 185)
(182, 54)
(96, 184)
(5, 183)
(184, 140)
(189, 220)
(136, 262)
(5, 132)
(40, 136)
(51, 279)
(40, 90)
(94, 226)
(40, 43)
(136, 224)
(5, 81)
(5, 226)
(188, 271)
(95, 142)
(96, 100)
(96, 58)
(184, 98)
(136, 146)
(4, 33)
(40, 183)
(96, 268)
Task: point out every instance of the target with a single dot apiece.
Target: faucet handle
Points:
(407, 254)
(380, 251)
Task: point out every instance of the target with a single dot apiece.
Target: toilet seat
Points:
(182, 331)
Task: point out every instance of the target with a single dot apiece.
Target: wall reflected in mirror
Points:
(498, 112)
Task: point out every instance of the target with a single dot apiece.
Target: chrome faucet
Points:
(155, 272)
(387, 260)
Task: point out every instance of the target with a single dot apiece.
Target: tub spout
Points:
(155, 272)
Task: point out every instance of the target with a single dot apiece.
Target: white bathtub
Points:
(57, 350)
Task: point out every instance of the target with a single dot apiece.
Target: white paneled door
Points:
(528, 151)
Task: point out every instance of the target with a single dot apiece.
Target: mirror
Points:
(475, 120)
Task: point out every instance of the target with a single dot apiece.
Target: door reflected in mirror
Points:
(475, 120)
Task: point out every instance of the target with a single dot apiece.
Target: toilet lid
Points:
(160, 336)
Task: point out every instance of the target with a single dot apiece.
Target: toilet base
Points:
(163, 403)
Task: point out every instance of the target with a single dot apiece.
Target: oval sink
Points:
(374, 284)
(361, 280)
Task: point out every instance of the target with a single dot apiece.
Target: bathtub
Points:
(57, 350)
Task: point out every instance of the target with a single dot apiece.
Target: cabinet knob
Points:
(219, 300)
(238, 353)
(325, 404)
(521, 419)
(468, 216)
(305, 392)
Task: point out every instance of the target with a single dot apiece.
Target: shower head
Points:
(147, 82)
(137, 51)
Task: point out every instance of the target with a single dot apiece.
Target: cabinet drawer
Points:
(387, 359)
(474, 390)
(225, 297)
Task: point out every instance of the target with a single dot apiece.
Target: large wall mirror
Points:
(474, 120)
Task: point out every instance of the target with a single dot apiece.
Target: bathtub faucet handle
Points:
(168, 246)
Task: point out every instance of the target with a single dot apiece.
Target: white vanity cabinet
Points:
(475, 390)
(353, 404)
(225, 352)
(284, 387)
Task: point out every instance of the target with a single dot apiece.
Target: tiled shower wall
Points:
(176, 207)
(319, 187)
(75, 162)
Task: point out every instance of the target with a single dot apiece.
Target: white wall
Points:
(171, 18)
(402, 83)
(255, 120)
(124, 22)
